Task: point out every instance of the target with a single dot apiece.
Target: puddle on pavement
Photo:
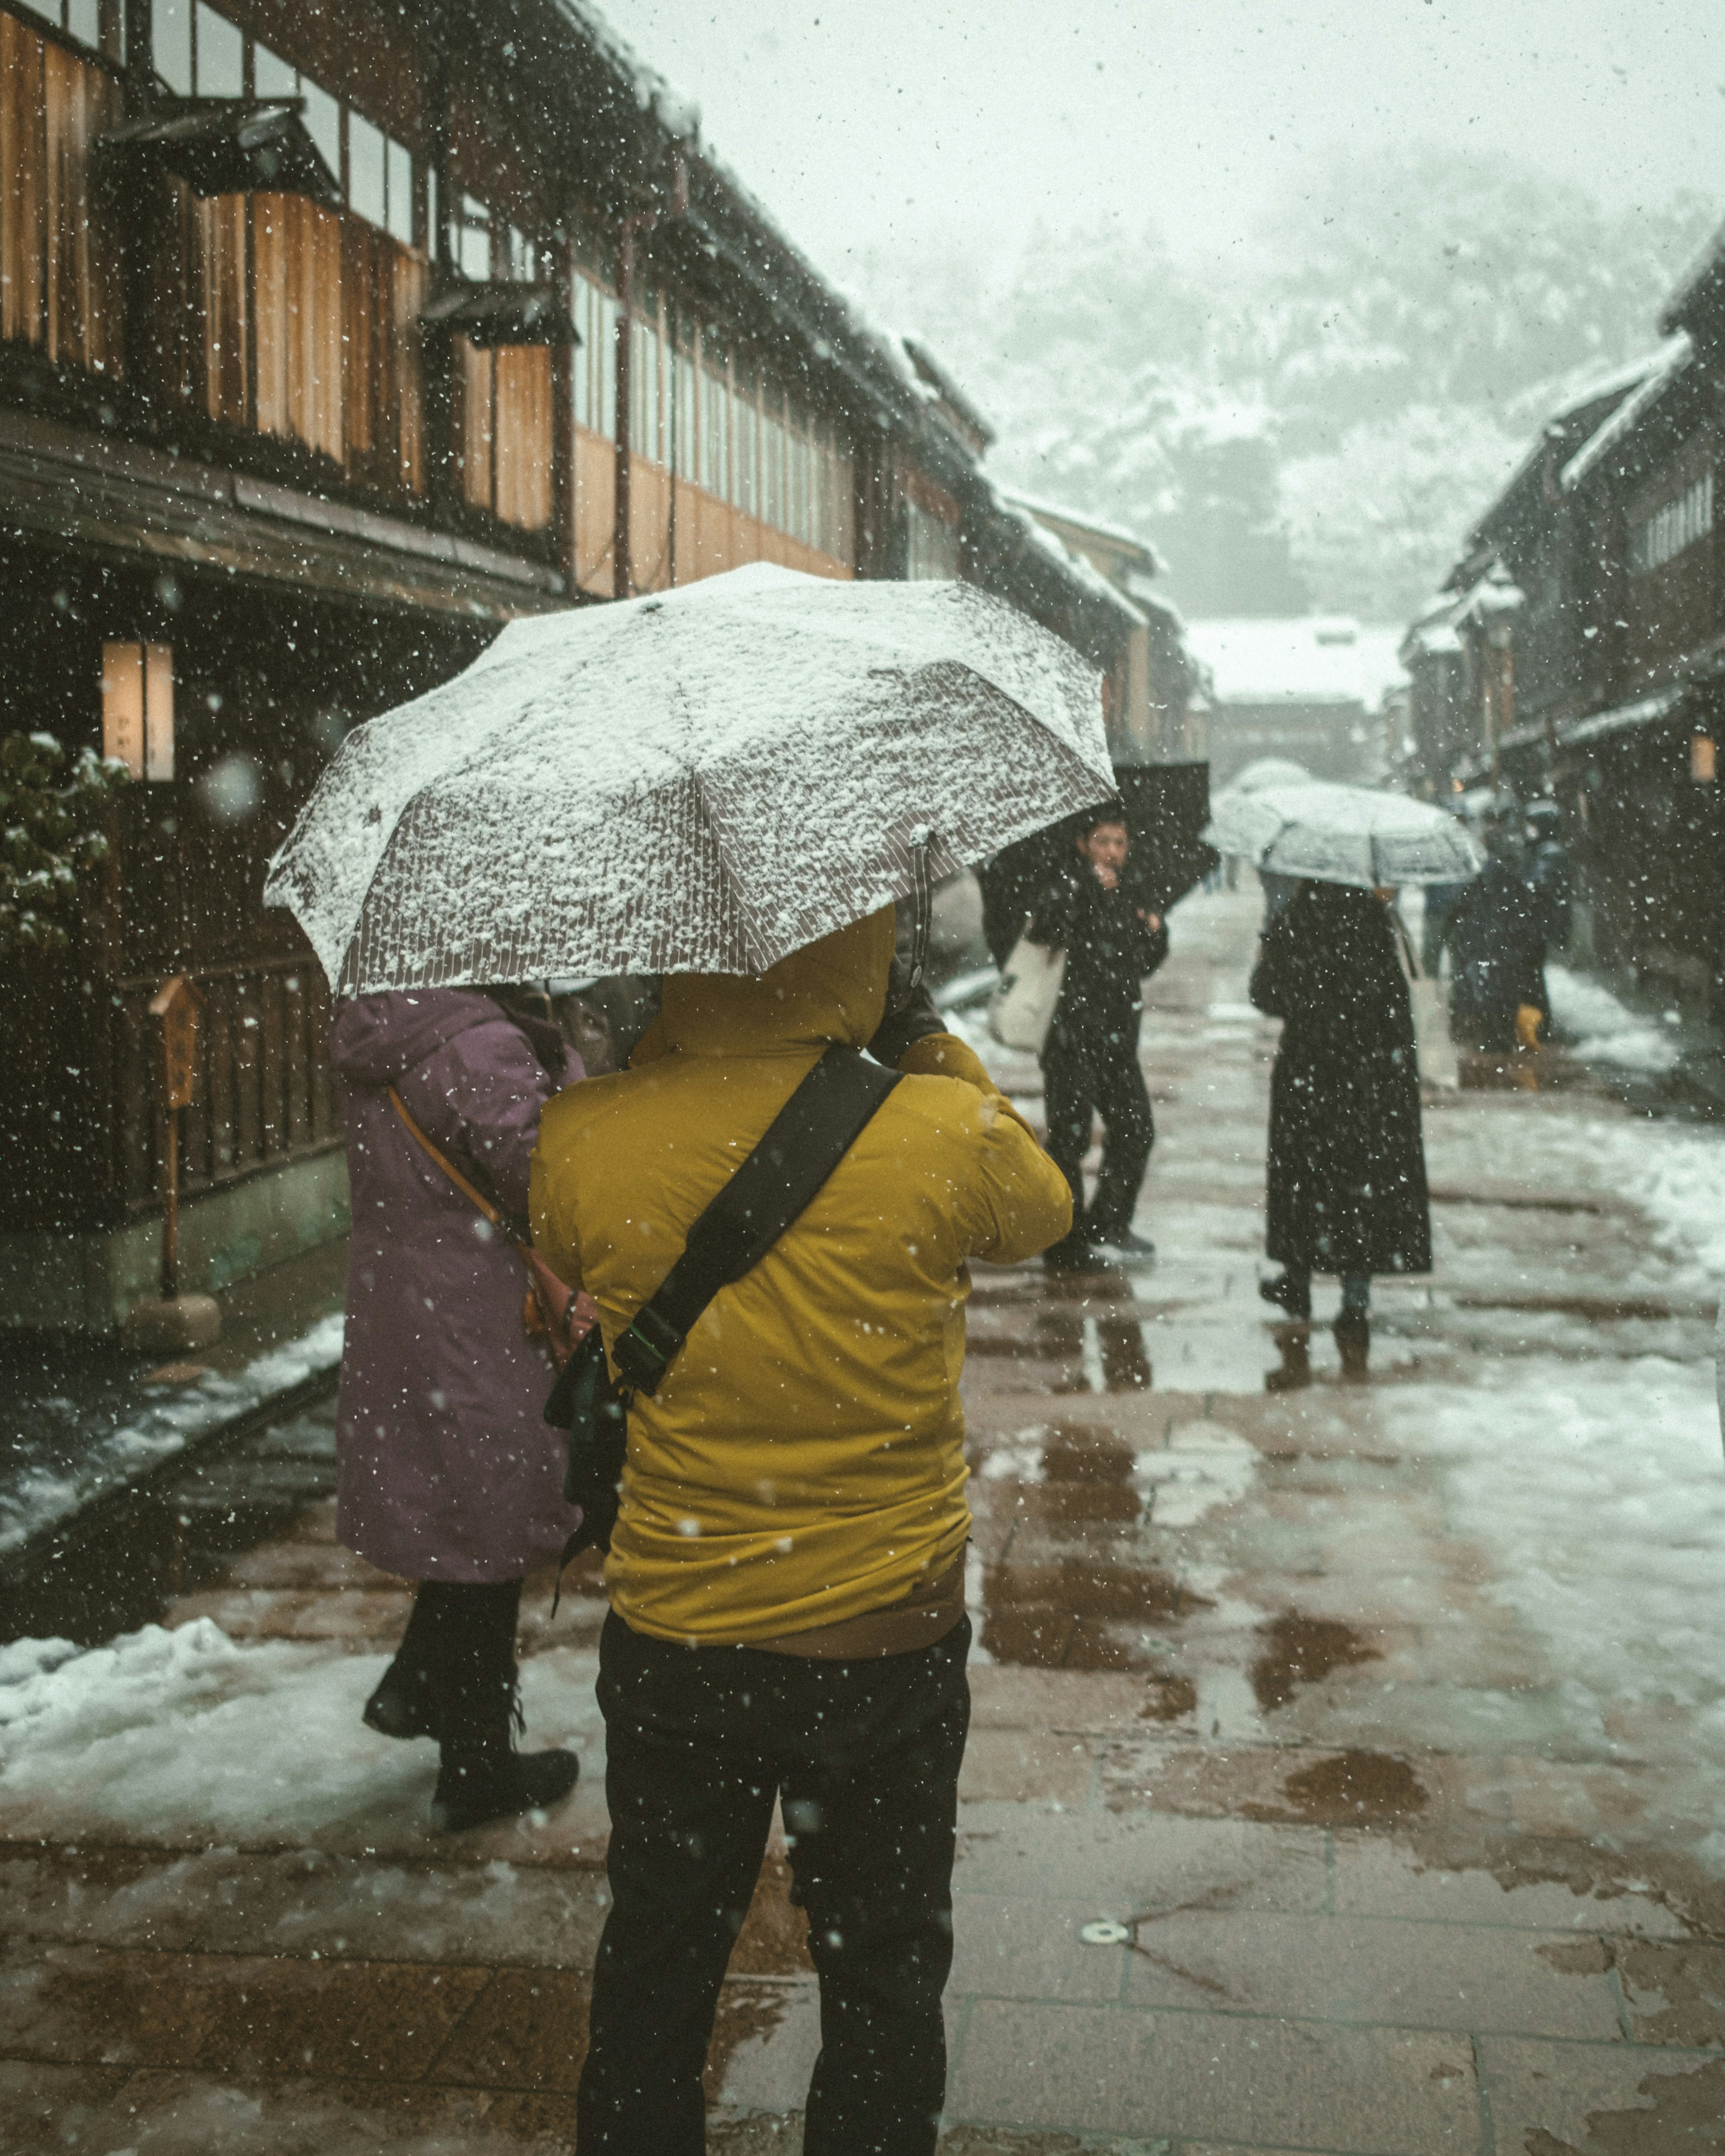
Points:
(1302, 1650)
(1681, 2116)
(1093, 1351)
(1355, 1789)
(1078, 1614)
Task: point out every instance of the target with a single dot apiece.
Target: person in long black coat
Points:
(1346, 1170)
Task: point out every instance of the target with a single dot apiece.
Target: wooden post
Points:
(622, 536)
(180, 1008)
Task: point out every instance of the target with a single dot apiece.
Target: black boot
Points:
(1353, 1342)
(480, 1775)
(407, 1703)
(1288, 1293)
(409, 1699)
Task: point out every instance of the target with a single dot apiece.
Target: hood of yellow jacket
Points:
(833, 990)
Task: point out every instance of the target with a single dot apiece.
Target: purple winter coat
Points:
(447, 1470)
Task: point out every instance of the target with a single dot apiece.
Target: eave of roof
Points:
(1675, 357)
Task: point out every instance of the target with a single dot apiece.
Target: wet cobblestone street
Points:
(1381, 1719)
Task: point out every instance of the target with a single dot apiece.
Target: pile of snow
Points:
(1673, 1173)
(1597, 1500)
(1600, 1030)
(188, 1734)
(41, 1496)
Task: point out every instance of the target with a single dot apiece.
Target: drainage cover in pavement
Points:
(1103, 1932)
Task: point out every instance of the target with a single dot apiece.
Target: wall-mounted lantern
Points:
(138, 708)
(1703, 759)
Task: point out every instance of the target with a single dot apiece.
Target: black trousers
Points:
(1084, 1075)
(865, 1756)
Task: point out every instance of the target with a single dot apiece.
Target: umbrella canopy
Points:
(1343, 834)
(1167, 806)
(1269, 770)
(703, 782)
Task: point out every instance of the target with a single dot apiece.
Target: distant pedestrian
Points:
(1497, 937)
(1442, 899)
(1546, 872)
(1089, 1063)
(1346, 1158)
(448, 1474)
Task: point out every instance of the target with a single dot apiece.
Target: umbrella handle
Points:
(922, 900)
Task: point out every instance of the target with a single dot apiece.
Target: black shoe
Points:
(475, 1787)
(406, 1702)
(1294, 1297)
(1069, 1257)
(1294, 1372)
(1353, 1340)
(1124, 1245)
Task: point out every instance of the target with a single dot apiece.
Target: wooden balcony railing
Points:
(274, 313)
(265, 1091)
(59, 284)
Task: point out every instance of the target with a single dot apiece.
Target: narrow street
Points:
(1384, 1721)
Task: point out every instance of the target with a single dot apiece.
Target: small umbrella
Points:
(703, 782)
(1343, 834)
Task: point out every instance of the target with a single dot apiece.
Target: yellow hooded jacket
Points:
(801, 1462)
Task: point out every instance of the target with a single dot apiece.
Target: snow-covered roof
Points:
(1081, 521)
(1073, 566)
(1669, 361)
(678, 118)
(1315, 659)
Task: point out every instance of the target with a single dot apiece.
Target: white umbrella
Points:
(703, 782)
(1269, 770)
(1343, 834)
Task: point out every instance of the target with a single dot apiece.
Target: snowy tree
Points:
(53, 806)
(1318, 419)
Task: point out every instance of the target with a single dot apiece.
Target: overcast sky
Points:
(864, 123)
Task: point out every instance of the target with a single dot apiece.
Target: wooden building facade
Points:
(332, 338)
(1578, 650)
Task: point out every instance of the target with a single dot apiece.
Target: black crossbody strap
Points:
(805, 1142)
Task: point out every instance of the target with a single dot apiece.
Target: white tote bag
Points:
(1431, 1017)
(1022, 1008)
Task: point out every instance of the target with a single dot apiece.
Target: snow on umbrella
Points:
(1269, 770)
(1343, 834)
(703, 782)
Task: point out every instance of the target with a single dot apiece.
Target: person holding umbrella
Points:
(786, 1566)
(1347, 1157)
(1090, 1061)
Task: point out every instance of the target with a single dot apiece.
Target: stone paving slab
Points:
(1302, 2084)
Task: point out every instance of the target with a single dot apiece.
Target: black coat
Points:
(1110, 950)
(1497, 935)
(1347, 1157)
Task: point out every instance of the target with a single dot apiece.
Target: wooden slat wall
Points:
(522, 436)
(224, 320)
(476, 377)
(59, 272)
(383, 289)
(595, 510)
(503, 432)
(296, 282)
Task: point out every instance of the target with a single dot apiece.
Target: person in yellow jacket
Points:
(786, 1574)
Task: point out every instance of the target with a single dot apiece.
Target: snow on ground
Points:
(1675, 1172)
(1598, 1028)
(176, 1734)
(1597, 1499)
(62, 1465)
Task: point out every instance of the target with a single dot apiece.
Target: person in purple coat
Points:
(448, 1474)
